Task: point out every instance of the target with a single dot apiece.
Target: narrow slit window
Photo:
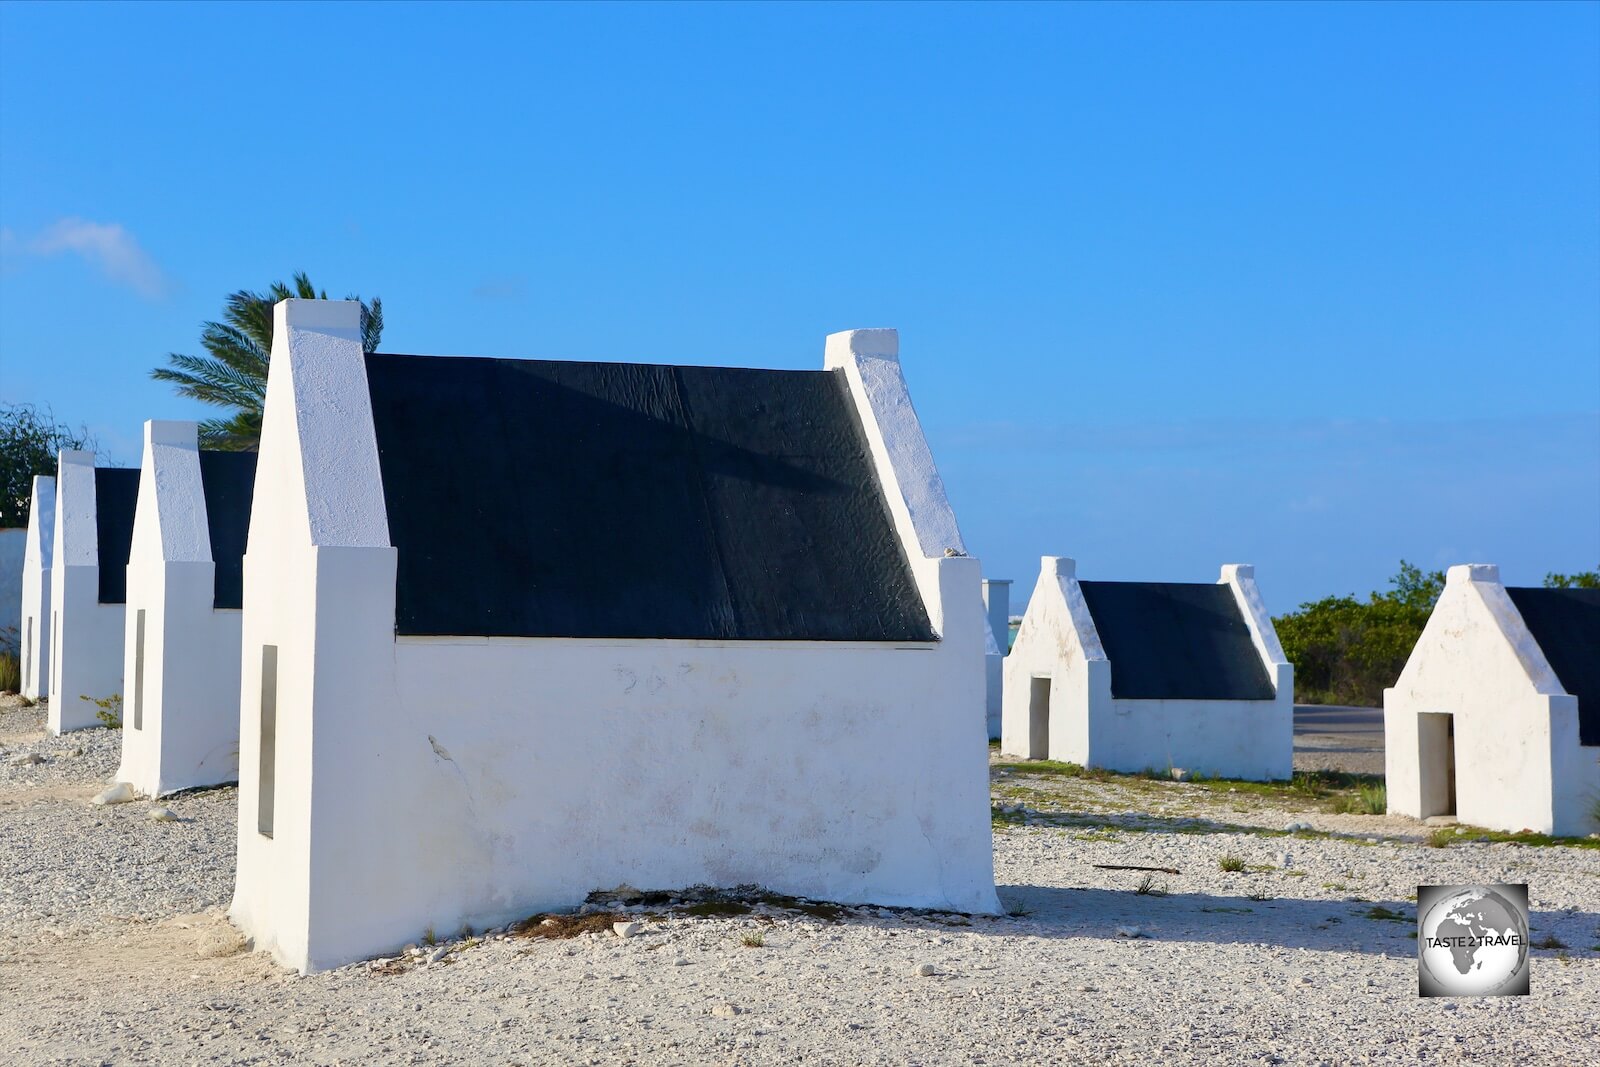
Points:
(138, 671)
(269, 738)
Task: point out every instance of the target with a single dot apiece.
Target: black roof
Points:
(536, 498)
(1566, 623)
(116, 497)
(1176, 641)
(228, 480)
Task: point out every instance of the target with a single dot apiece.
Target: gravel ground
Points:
(113, 949)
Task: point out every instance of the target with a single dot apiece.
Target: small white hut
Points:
(515, 630)
(35, 635)
(1496, 717)
(1132, 676)
(185, 588)
(88, 583)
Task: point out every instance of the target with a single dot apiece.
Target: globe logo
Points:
(1472, 940)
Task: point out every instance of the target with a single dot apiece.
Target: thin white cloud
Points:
(503, 287)
(107, 246)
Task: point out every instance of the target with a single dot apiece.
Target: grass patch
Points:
(1536, 840)
(1230, 910)
(1147, 887)
(752, 940)
(1231, 864)
(1336, 790)
(1369, 798)
(1001, 815)
(817, 909)
(717, 909)
(1446, 835)
(1058, 769)
(563, 927)
(1549, 941)
(1378, 911)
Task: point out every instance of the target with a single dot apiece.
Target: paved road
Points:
(1328, 737)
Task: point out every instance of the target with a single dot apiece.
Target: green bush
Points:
(1347, 651)
(107, 709)
(30, 437)
(10, 673)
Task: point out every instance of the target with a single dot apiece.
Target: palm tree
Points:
(234, 372)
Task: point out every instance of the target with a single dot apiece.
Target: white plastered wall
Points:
(1057, 641)
(181, 710)
(1518, 761)
(1249, 739)
(509, 775)
(35, 627)
(997, 632)
(86, 635)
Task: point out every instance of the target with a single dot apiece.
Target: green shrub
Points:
(1347, 651)
(108, 710)
(1373, 798)
(10, 673)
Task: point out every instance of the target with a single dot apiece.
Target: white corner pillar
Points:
(36, 560)
(318, 627)
(85, 635)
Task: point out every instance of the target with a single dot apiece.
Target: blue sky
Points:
(1314, 287)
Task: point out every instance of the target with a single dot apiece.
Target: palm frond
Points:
(371, 324)
(248, 378)
(305, 290)
(207, 381)
(250, 314)
(234, 348)
(233, 373)
(242, 433)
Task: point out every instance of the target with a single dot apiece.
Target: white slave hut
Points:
(185, 586)
(1496, 717)
(515, 630)
(1134, 676)
(88, 583)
